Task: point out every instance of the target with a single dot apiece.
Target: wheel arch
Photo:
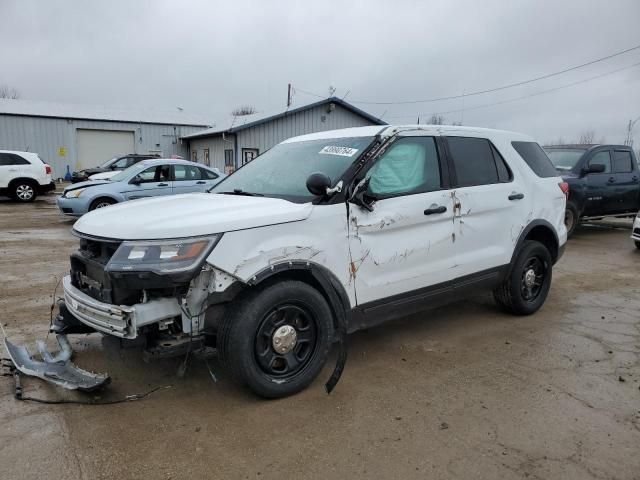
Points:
(317, 276)
(31, 180)
(100, 197)
(541, 231)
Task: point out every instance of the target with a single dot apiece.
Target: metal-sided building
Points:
(80, 136)
(243, 138)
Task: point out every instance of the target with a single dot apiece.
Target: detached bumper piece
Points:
(55, 368)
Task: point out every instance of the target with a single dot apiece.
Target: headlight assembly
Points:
(161, 256)
(74, 193)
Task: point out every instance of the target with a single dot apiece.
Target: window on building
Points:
(622, 161)
(12, 159)
(249, 154)
(206, 156)
(194, 155)
(476, 163)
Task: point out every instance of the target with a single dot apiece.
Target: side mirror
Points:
(137, 180)
(595, 168)
(318, 183)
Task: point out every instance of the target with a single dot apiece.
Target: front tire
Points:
(24, 191)
(101, 203)
(276, 339)
(571, 218)
(527, 285)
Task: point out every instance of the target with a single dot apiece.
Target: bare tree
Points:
(587, 137)
(436, 119)
(243, 110)
(9, 92)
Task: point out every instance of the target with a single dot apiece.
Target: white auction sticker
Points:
(342, 151)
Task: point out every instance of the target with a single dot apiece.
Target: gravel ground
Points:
(459, 392)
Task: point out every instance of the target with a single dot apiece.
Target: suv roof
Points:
(389, 130)
(587, 146)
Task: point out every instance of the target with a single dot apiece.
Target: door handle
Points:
(516, 196)
(634, 178)
(431, 211)
(201, 182)
(163, 184)
(611, 180)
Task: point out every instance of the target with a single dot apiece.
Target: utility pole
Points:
(289, 96)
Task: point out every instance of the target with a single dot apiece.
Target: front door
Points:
(404, 244)
(155, 181)
(600, 188)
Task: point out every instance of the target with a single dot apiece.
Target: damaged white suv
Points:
(322, 235)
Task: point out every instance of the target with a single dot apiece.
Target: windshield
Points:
(282, 171)
(108, 162)
(130, 172)
(565, 158)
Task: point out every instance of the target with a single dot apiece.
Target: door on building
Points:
(229, 163)
(205, 157)
(97, 146)
(249, 154)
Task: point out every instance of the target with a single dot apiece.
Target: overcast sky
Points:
(209, 57)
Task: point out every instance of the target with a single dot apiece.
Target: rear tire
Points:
(527, 285)
(258, 325)
(101, 203)
(571, 218)
(24, 191)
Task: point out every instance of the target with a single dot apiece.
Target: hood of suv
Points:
(188, 215)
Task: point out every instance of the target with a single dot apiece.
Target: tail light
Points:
(47, 169)
(564, 186)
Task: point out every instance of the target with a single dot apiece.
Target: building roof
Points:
(236, 123)
(108, 113)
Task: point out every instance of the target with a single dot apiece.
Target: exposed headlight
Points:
(162, 256)
(74, 193)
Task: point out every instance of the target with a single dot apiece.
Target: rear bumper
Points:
(118, 320)
(50, 187)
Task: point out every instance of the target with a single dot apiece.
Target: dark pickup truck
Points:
(603, 181)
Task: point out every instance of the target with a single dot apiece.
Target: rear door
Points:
(489, 207)
(156, 181)
(626, 173)
(188, 178)
(404, 245)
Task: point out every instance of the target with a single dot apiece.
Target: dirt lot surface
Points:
(460, 392)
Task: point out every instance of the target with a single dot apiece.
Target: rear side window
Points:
(477, 162)
(208, 174)
(12, 159)
(622, 161)
(536, 158)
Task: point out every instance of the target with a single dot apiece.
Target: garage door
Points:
(97, 146)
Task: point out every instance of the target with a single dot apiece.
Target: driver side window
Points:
(409, 166)
(602, 158)
(155, 174)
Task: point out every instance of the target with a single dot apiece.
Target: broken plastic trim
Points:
(57, 369)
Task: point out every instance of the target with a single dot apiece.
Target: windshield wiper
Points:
(238, 191)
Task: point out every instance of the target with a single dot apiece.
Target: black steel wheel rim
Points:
(534, 275)
(287, 365)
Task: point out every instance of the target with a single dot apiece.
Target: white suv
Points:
(322, 235)
(23, 175)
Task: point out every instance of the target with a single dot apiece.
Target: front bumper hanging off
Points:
(57, 369)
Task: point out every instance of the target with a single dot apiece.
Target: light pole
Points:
(629, 140)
